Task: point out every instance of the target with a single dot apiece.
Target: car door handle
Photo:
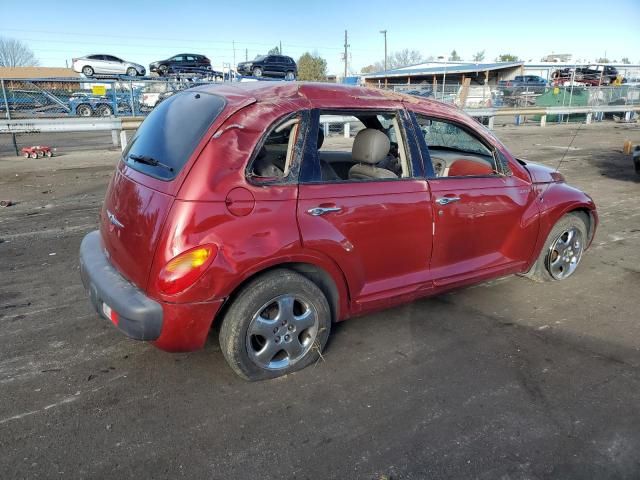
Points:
(447, 200)
(317, 211)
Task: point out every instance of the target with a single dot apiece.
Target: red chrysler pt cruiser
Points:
(243, 204)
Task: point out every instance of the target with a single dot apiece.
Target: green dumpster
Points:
(563, 96)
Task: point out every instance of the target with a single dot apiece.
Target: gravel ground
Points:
(505, 380)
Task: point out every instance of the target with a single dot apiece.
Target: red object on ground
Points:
(37, 151)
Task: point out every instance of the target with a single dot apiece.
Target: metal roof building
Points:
(452, 72)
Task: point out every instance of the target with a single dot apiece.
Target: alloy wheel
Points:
(282, 332)
(565, 253)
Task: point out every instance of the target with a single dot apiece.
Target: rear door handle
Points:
(447, 200)
(317, 211)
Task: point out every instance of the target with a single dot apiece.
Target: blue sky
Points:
(145, 31)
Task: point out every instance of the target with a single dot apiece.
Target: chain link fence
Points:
(80, 97)
(506, 96)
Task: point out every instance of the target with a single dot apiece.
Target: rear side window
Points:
(170, 133)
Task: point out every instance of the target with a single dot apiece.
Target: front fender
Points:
(555, 200)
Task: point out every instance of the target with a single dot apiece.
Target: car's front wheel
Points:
(257, 72)
(132, 72)
(290, 76)
(562, 251)
(277, 324)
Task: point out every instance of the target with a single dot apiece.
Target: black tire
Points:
(104, 110)
(84, 110)
(88, 71)
(261, 296)
(290, 76)
(163, 70)
(257, 72)
(542, 270)
(33, 155)
(132, 72)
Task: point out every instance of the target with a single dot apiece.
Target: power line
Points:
(129, 37)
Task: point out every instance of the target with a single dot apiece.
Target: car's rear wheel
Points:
(84, 110)
(257, 72)
(132, 72)
(87, 71)
(33, 155)
(49, 153)
(562, 251)
(104, 111)
(290, 76)
(277, 324)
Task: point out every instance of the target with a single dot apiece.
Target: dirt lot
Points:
(506, 380)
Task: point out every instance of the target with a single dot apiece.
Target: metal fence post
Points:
(6, 103)
(115, 99)
(123, 139)
(133, 110)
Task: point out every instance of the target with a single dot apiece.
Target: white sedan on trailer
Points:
(106, 65)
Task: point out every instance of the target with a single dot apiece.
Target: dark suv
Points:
(181, 63)
(270, 66)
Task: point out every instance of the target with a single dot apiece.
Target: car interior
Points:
(376, 152)
(454, 152)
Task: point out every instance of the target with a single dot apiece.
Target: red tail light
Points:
(182, 271)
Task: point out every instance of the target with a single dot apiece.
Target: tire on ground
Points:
(252, 297)
(539, 271)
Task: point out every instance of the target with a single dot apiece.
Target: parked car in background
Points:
(181, 63)
(230, 203)
(596, 72)
(524, 83)
(270, 66)
(106, 65)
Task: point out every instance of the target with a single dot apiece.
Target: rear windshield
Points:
(167, 137)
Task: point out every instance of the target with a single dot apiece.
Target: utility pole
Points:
(246, 54)
(233, 42)
(384, 32)
(346, 56)
(280, 47)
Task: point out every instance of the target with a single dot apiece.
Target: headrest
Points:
(370, 146)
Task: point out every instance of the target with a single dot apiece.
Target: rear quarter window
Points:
(171, 132)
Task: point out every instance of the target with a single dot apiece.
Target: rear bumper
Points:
(173, 327)
(138, 316)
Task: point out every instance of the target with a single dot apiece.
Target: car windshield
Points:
(166, 139)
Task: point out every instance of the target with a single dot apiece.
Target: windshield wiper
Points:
(149, 161)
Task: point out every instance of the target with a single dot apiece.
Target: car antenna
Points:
(563, 157)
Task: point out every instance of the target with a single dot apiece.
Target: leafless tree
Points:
(14, 53)
(478, 56)
(399, 59)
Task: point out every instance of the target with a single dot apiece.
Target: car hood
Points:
(541, 173)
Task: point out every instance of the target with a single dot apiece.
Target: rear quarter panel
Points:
(265, 232)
